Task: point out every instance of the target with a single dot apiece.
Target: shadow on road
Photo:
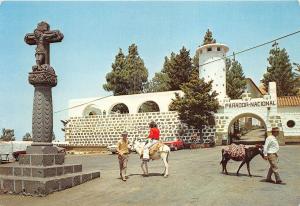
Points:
(240, 175)
(149, 175)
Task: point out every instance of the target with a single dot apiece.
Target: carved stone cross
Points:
(42, 37)
(43, 78)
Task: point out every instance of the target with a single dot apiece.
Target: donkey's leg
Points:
(146, 166)
(142, 166)
(225, 164)
(241, 165)
(164, 157)
(164, 172)
(248, 168)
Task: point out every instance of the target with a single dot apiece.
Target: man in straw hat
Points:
(271, 148)
(123, 152)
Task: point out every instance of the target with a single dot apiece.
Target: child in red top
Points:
(153, 138)
(154, 133)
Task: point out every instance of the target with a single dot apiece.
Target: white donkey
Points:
(162, 153)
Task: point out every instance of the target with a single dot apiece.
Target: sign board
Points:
(263, 103)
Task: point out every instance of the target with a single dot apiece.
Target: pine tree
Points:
(199, 103)
(27, 137)
(195, 61)
(297, 73)
(235, 79)
(159, 83)
(117, 78)
(128, 74)
(179, 68)
(7, 135)
(208, 38)
(136, 70)
(280, 71)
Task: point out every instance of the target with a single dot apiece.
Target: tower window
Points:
(218, 49)
(209, 49)
(201, 51)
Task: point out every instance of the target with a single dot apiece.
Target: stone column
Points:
(42, 115)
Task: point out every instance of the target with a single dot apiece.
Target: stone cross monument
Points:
(42, 169)
(43, 78)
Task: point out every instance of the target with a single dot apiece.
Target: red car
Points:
(174, 143)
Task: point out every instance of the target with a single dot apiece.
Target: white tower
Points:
(212, 67)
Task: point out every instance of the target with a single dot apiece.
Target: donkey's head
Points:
(260, 149)
(137, 145)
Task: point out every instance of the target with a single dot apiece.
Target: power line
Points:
(79, 105)
(251, 48)
(232, 55)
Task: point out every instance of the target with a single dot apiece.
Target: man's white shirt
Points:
(271, 145)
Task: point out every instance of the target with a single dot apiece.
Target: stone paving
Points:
(195, 179)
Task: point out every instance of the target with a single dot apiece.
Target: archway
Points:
(148, 106)
(120, 108)
(247, 128)
(91, 110)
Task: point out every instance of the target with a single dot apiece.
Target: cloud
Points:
(1, 1)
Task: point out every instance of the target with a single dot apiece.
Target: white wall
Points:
(133, 102)
(290, 113)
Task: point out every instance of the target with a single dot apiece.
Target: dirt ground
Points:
(195, 179)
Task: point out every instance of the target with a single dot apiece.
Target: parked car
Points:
(112, 148)
(174, 143)
(17, 154)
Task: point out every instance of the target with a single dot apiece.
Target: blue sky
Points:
(95, 30)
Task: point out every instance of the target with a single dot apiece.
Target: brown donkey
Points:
(250, 153)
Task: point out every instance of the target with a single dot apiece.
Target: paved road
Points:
(195, 179)
(254, 135)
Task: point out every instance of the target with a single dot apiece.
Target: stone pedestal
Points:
(42, 174)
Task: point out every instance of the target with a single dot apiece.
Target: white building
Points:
(212, 68)
(92, 122)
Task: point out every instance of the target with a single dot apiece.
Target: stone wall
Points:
(103, 130)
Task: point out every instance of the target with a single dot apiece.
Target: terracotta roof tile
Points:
(288, 101)
(262, 89)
